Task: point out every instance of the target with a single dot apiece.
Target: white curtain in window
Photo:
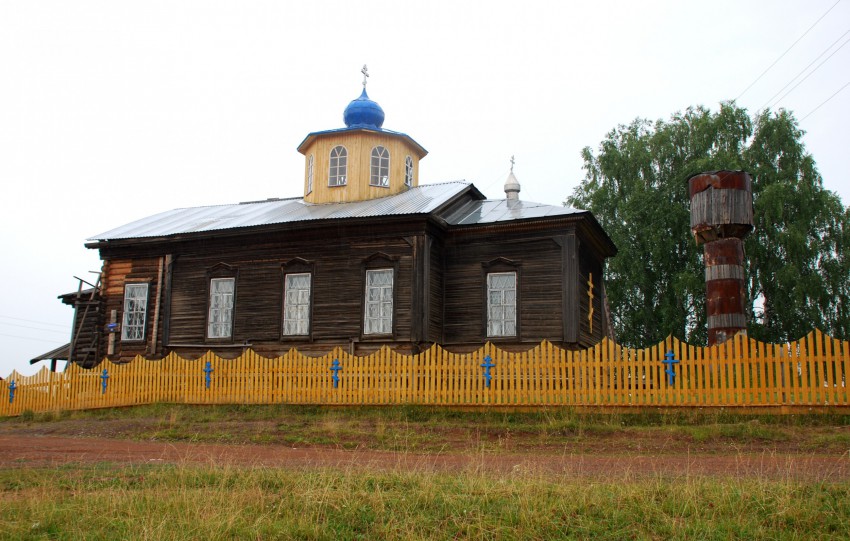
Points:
(380, 170)
(501, 304)
(338, 168)
(220, 321)
(408, 171)
(379, 302)
(296, 304)
(135, 310)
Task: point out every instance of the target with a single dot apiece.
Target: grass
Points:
(184, 502)
(424, 429)
(552, 418)
(187, 501)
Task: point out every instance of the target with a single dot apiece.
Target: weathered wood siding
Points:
(721, 205)
(436, 288)
(440, 285)
(539, 265)
(116, 274)
(359, 147)
(588, 264)
(338, 260)
(86, 343)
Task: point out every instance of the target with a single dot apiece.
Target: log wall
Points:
(439, 286)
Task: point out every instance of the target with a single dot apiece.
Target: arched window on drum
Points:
(380, 167)
(338, 166)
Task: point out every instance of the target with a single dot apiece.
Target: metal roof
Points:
(419, 200)
(423, 199)
(60, 354)
(313, 135)
(499, 210)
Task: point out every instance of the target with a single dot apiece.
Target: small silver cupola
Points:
(512, 185)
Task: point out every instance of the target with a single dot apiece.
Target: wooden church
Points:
(367, 256)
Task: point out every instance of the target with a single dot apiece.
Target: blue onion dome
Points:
(363, 113)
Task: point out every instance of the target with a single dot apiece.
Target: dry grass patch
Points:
(186, 502)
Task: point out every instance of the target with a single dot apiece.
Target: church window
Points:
(135, 312)
(310, 174)
(296, 304)
(501, 304)
(408, 171)
(378, 318)
(338, 166)
(380, 167)
(220, 316)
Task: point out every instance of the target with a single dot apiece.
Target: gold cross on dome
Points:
(365, 72)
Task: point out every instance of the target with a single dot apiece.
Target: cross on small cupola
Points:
(365, 72)
(512, 186)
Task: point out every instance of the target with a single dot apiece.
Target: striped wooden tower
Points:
(721, 216)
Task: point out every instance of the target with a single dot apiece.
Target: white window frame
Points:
(501, 301)
(408, 171)
(135, 312)
(380, 167)
(338, 166)
(220, 312)
(378, 305)
(310, 174)
(296, 305)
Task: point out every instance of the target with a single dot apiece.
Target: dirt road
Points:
(26, 450)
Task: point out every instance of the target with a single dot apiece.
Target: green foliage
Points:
(797, 259)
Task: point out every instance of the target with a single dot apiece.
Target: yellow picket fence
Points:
(742, 372)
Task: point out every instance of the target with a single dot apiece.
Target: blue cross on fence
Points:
(104, 377)
(208, 369)
(12, 387)
(335, 368)
(670, 360)
(487, 365)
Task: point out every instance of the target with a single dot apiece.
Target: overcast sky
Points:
(112, 111)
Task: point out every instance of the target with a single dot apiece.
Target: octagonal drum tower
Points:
(721, 217)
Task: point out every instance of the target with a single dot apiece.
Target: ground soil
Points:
(617, 454)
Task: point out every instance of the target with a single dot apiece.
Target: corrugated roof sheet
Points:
(60, 354)
(313, 135)
(498, 210)
(419, 200)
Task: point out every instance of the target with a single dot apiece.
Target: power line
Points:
(811, 72)
(29, 338)
(804, 69)
(826, 100)
(786, 50)
(34, 321)
(495, 180)
(34, 328)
